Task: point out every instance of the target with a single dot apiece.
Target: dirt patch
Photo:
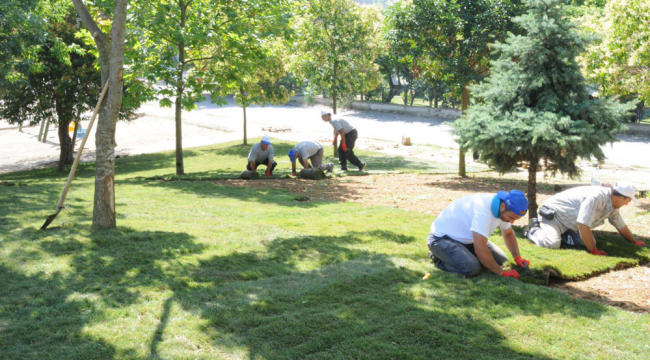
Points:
(628, 289)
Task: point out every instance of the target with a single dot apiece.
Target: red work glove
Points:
(293, 173)
(510, 273)
(268, 172)
(345, 148)
(640, 243)
(598, 252)
(522, 262)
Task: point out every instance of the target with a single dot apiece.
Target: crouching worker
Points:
(262, 154)
(305, 152)
(459, 235)
(568, 217)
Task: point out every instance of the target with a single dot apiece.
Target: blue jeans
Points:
(459, 258)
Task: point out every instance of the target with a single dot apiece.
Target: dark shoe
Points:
(533, 224)
(344, 169)
(432, 257)
(363, 166)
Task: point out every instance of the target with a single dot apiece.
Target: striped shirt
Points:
(258, 155)
(340, 124)
(587, 205)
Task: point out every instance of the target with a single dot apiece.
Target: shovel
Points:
(59, 206)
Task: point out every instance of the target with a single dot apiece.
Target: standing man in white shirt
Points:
(568, 217)
(262, 154)
(459, 236)
(348, 137)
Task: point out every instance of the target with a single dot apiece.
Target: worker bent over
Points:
(305, 152)
(459, 236)
(348, 137)
(262, 154)
(568, 217)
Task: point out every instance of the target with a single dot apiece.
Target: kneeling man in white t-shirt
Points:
(459, 236)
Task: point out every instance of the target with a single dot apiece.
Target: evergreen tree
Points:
(535, 104)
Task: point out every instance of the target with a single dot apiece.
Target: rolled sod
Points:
(312, 174)
(249, 175)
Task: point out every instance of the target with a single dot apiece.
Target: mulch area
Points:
(628, 288)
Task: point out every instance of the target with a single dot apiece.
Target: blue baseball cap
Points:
(292, 155)
(515, 200)
(266, 140)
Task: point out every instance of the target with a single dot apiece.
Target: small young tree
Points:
(535, 105)
(256, 81)
(337, 44)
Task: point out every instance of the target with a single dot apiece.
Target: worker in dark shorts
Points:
(262, 154)
(348, 137)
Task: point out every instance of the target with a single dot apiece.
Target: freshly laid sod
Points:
(203, 271)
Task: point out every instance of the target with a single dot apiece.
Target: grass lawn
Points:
(203, 271)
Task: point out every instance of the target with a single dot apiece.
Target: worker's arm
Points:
(336, 135)
(253, 165)
(627, 234)
(511, 241)
(484, 255)
(293, 168)
(304, 163)
(587, 237)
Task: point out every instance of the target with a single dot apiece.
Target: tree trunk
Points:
(180, 169)
(241, 90)
(532, 188)
(461, 153)
(111, 60)
(47, 129)
(65, 155)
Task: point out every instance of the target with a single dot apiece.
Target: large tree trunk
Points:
(532, 188)
(65, 156)
(111, 60)
(461, 153)
(64, 113)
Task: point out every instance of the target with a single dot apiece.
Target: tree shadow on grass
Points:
(316, 297)
(44, 314)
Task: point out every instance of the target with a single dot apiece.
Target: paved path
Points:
(210, 124)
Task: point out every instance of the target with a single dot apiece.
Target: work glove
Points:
(639, 243)
(345, 148)
(598, 252)
(268, 173)
(510, 273)
(293, 173)
(522, 262)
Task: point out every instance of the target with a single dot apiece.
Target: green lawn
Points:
(203, 271)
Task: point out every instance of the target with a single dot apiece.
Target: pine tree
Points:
(536, 105)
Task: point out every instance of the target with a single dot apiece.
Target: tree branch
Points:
(89, 23)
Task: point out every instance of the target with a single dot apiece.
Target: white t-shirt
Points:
(471, 213)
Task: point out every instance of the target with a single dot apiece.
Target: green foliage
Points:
(450, 39)
(337, 42)
(620, 62)
(58, 80)
(535, 104)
